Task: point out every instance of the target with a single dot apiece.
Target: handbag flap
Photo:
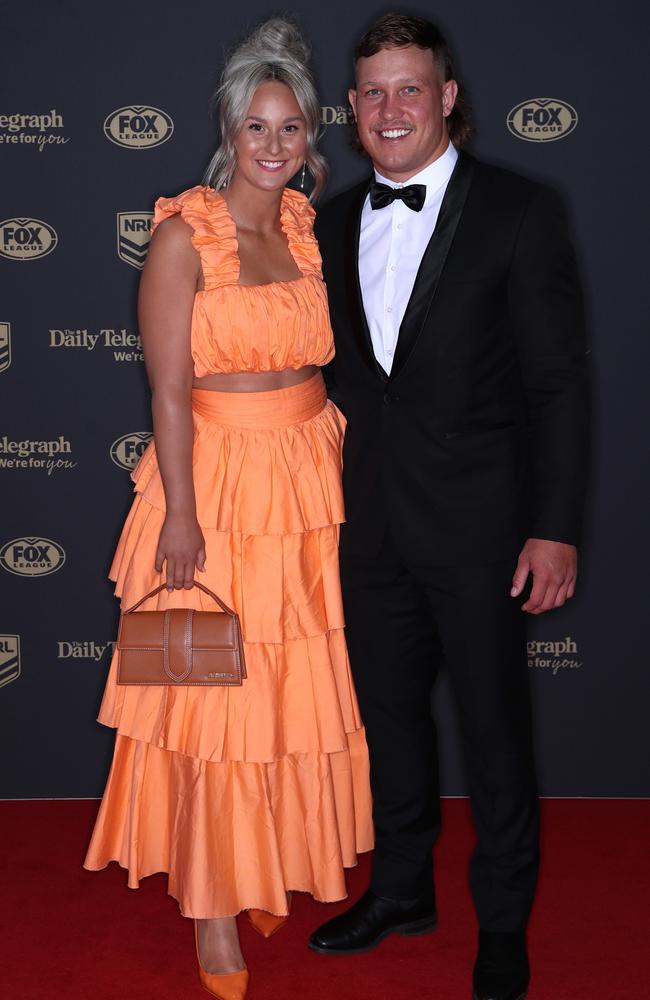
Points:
(208, 630)
(214, 630)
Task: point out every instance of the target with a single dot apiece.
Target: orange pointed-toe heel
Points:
(232, 986)
(267, 924)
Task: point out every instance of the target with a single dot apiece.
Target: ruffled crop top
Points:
(253, 328)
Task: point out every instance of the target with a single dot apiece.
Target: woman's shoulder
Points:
(298, 209)
(193, 205)
(213, 232)
(298, 223)
(299, 201)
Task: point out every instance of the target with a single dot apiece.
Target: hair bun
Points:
(278, 40)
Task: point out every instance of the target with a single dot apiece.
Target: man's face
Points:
(400, 104)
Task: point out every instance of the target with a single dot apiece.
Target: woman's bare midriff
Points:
(255, 381)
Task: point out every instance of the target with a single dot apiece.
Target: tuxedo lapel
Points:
(353, 285)
(433, 261)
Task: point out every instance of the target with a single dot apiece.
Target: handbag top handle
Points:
(224, 607)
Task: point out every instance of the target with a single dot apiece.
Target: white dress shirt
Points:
(391, 246)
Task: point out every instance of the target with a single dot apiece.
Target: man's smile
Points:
(393, 133)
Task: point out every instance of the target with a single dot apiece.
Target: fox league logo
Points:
(9, 658)
(133, 237)
(5, 346)
(31, 556)
(127, 450)
(26, 239)
(542, 119)
(138, 127)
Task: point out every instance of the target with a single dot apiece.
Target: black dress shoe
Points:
(501, 971)
(369, 921)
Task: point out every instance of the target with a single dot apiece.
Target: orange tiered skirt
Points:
(242, 794)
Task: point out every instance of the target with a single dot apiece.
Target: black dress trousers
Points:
(402, 619)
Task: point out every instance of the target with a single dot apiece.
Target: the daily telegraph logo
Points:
(9, 658)
(124, 346)
(138, 127)
(31, 556)
(83, 649)
(37, 131)
(48, 456)
(542, 119)
(553, 656)
(5, 346)
(133, 237)
(338, 114)
(127, 450)
(26, 239)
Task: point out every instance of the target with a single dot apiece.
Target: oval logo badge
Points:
(31, 556)
(138, 127)
(542, 119)
(26, 239)
(128, 449)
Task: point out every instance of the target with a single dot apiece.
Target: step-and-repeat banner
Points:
(105, 107)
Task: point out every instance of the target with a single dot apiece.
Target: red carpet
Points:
(76, 935)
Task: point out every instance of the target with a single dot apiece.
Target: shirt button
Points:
(389, 354)
(400, 225)
(392, 267)
(389, 309)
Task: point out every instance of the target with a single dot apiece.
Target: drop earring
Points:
(302, 176)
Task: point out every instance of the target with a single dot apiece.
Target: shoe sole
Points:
(424, 926)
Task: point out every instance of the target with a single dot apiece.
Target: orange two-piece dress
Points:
(244, 793)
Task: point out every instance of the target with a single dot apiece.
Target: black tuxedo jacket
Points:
(478, 438)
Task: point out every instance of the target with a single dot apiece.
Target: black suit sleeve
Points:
(329, 370)
(546, 307)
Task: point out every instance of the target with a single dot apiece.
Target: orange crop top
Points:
(253, 328)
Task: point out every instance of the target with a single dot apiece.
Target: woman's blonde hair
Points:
(275, 50)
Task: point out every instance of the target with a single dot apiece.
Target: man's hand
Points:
(554, 566)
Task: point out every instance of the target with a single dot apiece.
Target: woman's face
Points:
(272, 144)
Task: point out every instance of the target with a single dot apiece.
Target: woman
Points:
(241, 794)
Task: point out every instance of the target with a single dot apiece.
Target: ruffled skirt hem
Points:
(297, 698)
(235, 836)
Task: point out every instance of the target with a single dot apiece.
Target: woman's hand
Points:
(182, 547)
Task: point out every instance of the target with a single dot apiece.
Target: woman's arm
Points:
(167, 289)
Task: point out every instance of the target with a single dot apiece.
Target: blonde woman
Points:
(241, 794)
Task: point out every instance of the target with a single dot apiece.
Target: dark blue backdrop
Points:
(78, 182)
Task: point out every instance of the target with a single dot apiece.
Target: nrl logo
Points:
(133, 237)
(5, 346)
(9, 658)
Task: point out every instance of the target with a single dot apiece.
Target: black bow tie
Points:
(412, 195)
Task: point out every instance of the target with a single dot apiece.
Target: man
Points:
(460, 365)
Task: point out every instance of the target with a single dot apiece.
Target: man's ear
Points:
(449, 95)
(352, 98)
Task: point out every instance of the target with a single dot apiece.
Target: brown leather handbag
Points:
(180, 645)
